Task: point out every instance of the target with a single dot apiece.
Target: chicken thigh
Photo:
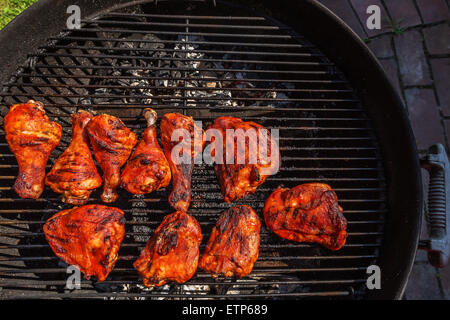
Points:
(233, 246)
(171, 254)
(249, 166)
(307, 213)
(87, 237)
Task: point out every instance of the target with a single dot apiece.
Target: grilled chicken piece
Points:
(88, 237)
(171, 123)
(112, 143)
(31, 136)
(148, 169)
(74, 173)
(233, 246)
(307, 213)
(241, 177)
(171, 254)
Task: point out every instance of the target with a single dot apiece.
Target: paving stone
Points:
(437, 39)
(441, 75)
(391, 69)
(433, 10)
(412, 61)
(343, 10)
(382, 47)
(403, 12)
(361, 6)
(447, 127)
(421, 255)
(444, 274)
(424, 117)
(423, 284)
(445, 280)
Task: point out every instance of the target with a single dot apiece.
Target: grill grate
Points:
(206, 66)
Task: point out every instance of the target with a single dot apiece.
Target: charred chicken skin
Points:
(148, 169)
(112, 143)
(233, 246)
(31, 136)
(74, 173)
(171, 254)
(242, 177)
(88, 237)
(173, 124)
(307, 213)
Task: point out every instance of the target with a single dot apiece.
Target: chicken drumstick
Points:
(31, 136)
(192, 141)
(112, 143)
(74, 173)
(148, 169)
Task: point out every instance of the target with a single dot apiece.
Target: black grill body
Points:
(294, 67)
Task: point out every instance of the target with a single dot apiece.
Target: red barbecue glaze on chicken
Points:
(148, 169)
(171, 254)
(241, 178)
(233, 246)
(180, 197)
(307, 213)
(74, 173)
(112, 143)
(31, 136)
(88, 237)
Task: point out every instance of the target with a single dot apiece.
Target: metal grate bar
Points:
(218, 43)
(168, 50)
(181, 25)
(195, 88)
(112, 56)
(217, 70)
(65, 76)
(177, 16)
(273, 75)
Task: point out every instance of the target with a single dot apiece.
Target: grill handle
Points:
(436, 162)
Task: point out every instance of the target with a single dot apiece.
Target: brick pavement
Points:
(413, 46)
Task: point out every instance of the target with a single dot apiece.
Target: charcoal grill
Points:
(291, 66)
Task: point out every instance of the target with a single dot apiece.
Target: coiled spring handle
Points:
(437, 216)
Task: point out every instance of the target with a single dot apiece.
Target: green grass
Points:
(396, 26)
(9, 9)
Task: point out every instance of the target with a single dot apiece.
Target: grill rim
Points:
(401, 162)
(49, 16)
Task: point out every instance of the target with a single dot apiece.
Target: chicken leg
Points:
(307, 213)
(112, 143)
(88, 237)
(233, 246)
(241, 177)
(74, 173)
(31, 136)
(148, 169)
(171, 254)
(191, 140)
